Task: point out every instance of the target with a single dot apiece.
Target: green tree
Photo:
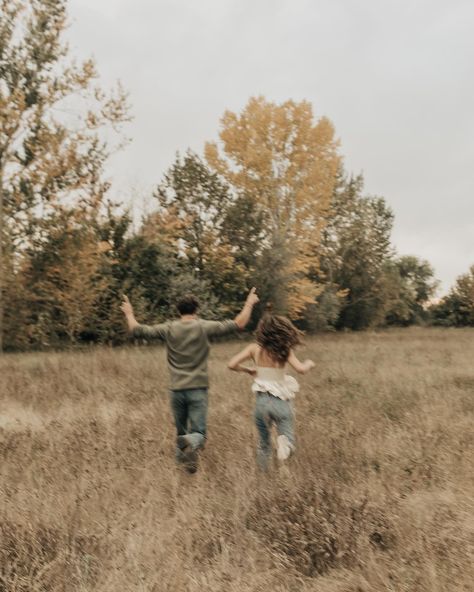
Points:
(140, 266)
(457, 308)
(193, 216)
(416, 285)
(354, 253)
(243, 228)
(199, 199)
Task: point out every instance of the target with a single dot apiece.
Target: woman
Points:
(276, 336)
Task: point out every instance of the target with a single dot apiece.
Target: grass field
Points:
(379, 496)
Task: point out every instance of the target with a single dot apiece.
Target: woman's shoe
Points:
(284, 447)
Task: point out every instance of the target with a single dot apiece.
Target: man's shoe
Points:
(183, 442)
(190, 459)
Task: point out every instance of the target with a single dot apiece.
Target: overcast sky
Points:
(396, 77)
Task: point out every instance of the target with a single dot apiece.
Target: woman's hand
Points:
(300, 367)
(246, 369)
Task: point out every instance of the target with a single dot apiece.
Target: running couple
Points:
(187, 342)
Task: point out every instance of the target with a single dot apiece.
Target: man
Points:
(187, 342)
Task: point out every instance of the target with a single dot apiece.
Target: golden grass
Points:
(379, 496)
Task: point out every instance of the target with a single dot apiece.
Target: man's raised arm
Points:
(127, 310)
(244, 315)
(137, 329)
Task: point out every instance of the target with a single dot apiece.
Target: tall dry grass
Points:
(379, 496)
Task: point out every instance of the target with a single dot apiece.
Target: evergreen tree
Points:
(194, 218)
(355, 251)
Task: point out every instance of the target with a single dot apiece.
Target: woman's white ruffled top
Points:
(275, 382)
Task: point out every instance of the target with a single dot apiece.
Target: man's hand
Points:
(252, 297)
(244, 315)
(127, 310)
(126, 307)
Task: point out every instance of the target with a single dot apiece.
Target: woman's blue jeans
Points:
(272, 410)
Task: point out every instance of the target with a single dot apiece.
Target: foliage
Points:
(354, 253)
(268, 204)
(198, 198)
(277, 156)
(414, 286)
(63, 281)
(52, 117)
(457, 308)
(135, 266)
(195, 213)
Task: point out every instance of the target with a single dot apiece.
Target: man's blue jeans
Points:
(269, 410)
(189, 408)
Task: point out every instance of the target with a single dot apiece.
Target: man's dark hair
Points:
(187, 304)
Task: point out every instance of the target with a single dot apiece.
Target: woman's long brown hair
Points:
(277, 336)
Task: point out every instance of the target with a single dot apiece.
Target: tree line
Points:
(267, 204)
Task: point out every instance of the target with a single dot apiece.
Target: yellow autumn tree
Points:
(54, 123)
(64, 280)
(287, 163)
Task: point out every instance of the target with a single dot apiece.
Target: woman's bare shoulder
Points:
(254, 348)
